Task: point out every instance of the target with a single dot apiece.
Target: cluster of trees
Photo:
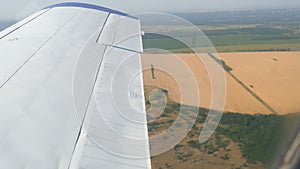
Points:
(260, 137)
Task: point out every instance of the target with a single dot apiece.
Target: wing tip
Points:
(89, 6)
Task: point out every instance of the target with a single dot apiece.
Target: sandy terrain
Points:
(272, 76)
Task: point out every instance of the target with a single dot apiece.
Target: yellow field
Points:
(273, 76)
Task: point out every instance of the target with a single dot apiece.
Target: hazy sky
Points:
(17, 9)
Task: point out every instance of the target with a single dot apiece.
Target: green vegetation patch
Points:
(260, 137)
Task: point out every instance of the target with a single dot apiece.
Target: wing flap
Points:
(117, 108)
(126, 33)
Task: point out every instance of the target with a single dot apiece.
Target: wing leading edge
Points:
(71, 90)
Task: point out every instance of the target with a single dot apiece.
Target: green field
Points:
(266, 30)
(234, 40)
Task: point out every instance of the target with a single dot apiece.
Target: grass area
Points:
(259, 137)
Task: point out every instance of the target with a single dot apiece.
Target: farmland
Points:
(235, 40)
(249, 134)
(259, 50)
(268, 76)
(235, 31)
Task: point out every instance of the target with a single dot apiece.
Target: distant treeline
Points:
(242, 17)
(259, 30)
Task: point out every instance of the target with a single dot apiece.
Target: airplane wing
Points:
(71, 91)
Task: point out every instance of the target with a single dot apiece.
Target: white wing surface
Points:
(71, 91)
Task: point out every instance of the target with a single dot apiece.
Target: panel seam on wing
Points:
(89, 101)
(102, 27)
(122, 48)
